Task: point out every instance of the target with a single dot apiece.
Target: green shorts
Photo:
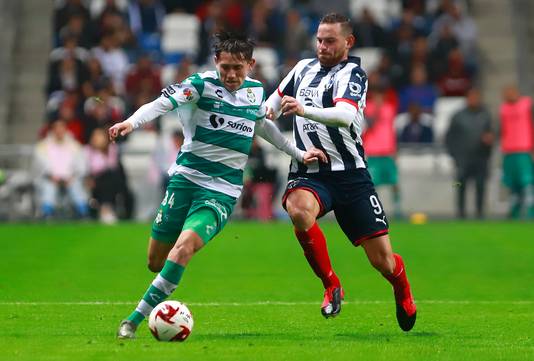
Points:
(184, 207)
(383, 170)
(517, 170)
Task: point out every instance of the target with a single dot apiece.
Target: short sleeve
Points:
(351, 87)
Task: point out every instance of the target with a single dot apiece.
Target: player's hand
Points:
(314, 155)
(121, 129)
(291, 106)
(270, 114)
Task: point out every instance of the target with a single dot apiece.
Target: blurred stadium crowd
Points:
(111, 56)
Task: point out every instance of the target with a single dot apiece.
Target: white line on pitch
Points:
(266, 303)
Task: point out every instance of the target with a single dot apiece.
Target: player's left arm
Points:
(268, 131)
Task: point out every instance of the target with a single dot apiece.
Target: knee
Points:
(383, 262)
(301, 215)
(183, 252)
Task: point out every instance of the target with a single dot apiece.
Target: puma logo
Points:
(383, 220)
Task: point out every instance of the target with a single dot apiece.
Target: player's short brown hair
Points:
(335, 18)
(237, 44)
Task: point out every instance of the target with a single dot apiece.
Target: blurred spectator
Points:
(97, 7)
(265, 25)
(456, 81)
(66, 11)
(296, 37)
(379, 83)
(165, 155)
(419, 91)
(321, 7)
(517, 145)
(95, 78)
(383, 10)
(469, 140)
(110, 196)
(389, 72)
(78, 27)
(59, 168)
(67, 112)
(446, 42)
(418, 126)
(462, 26)
(186, 6)
(113, 60)
(70, 48)
(259, 186)
(102, 110)
(67, 73)
(146, 19)
(368, 32)
(413, 18)
(143, 79)
(183, 70)
(380, 142)
(213, 20)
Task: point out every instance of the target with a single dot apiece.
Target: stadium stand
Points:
(400, 36)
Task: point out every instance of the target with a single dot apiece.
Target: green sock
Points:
(163, 285)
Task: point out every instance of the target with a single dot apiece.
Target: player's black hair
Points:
(237, 44)
(335, 18)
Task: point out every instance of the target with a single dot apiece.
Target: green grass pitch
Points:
(64, 289)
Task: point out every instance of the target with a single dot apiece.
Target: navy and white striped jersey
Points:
(314, 85)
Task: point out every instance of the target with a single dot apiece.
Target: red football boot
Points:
(331, 306)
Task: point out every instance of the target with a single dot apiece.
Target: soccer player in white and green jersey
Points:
(220, 111)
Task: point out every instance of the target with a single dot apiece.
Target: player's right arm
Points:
(171, 98)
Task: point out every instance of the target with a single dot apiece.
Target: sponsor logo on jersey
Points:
(239, 126)
(355, 88)
(250, 95)
(219, 93)
(310, 127)
(309, 92)
(216, 122)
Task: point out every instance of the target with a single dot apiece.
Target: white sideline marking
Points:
(268, 303)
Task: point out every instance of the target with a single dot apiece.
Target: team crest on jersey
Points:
(355, 89)
(250, 95)
(188, 93)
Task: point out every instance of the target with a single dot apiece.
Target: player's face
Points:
(232, 70)
(332, 44)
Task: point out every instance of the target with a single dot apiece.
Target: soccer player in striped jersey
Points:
(220, 112)
(326, 96)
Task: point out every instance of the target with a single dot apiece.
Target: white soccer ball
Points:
(170, 321)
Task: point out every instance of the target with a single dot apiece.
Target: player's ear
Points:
(251, 63)
(350, 41)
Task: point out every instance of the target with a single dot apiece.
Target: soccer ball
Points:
(170, 321)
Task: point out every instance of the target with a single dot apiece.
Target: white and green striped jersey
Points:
(218, 127)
